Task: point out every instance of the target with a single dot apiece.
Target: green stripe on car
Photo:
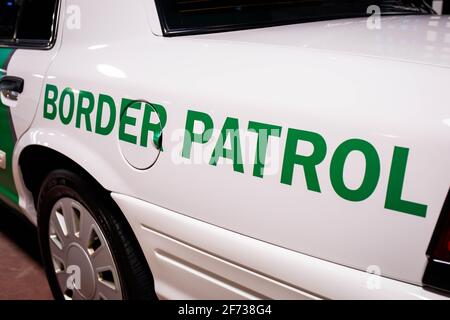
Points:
(8, 139)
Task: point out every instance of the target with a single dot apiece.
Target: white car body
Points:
(210, 232)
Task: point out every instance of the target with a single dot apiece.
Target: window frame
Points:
(35, 44)
(186, 31)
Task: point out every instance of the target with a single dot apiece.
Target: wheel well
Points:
(36, 162)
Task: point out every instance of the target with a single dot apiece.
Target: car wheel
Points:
(88, 248)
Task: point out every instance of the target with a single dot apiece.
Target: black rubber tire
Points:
(134, 273)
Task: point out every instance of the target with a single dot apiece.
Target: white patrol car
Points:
(230, 149)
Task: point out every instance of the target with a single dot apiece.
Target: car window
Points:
(27, 23)
(8, 19)
(192, 16)
(36, 21)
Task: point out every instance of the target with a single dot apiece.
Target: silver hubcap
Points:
(82, 259)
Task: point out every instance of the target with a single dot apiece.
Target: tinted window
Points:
(8, 18)
(197, 16)
(36, 20)
(27, 22)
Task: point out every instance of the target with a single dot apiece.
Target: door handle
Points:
(11, 87)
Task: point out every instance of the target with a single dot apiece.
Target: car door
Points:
(27, 47)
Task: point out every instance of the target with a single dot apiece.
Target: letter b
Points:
(51, 95)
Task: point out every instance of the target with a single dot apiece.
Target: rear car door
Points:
(27, 46)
